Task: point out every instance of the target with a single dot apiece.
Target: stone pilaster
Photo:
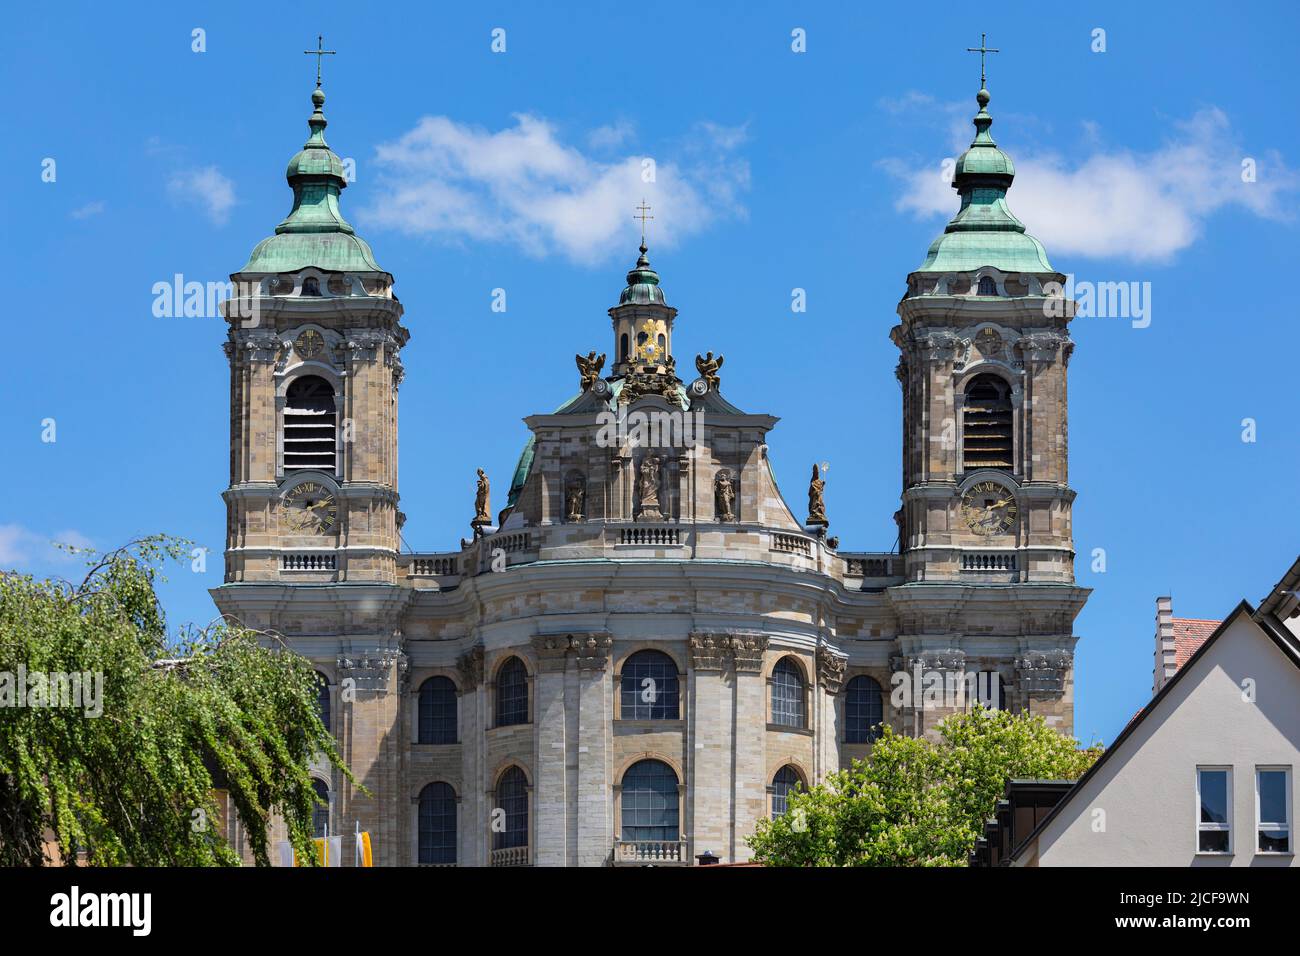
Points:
(551, 792)
(830, 680)
(473, 820)
(710, 739)
(749, 796)
(594, 804)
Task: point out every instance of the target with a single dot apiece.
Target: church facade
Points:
(649, 646)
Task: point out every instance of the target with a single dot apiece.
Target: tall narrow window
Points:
(437, 825)
(987, 424)
(512, 693)
(512, 799)
(785, 783)
(622, 347)
(320, 812)
(323, 699)
(989, 690)
(438, 711)
(649, 687)
(310, 425)
(1214, 810)
(788, 708)
(1272, 809)
(864, 710)
(650, 810)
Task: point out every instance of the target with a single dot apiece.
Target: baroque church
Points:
(650, 646)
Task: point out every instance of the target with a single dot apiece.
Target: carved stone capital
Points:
(370, 670)
(261, 346)
(592, 650)
(1043, 673)
(470, 665)
(707, 650)
(747, 652)
(552, 651)
(830, 669)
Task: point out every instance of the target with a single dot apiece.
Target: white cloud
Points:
(21, 547)
(206, 187)
(523, 185)
(88, 210)
(1146, 206)
(611, 136)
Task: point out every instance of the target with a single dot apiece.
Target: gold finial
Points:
(981, 50)
(319, 52)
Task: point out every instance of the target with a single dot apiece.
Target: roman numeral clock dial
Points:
(988, 509)
(310, 508)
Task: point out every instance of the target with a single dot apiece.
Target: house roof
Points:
(1189, 634)
(1285, 644)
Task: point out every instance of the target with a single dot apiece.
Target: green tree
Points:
(916, 801)
(134, 784)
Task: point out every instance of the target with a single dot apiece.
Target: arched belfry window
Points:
(987, 286)
(622, 347)
(311, 286)
(310, 425)
(987, 424)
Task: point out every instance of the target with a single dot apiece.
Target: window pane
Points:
(783, 784)
(787, 695)
(438, 711)
(1214, 841)
(1214, 797)
(1274, 841)
(512, 797)
(512, 693)
(650, 802)
(649, 687)
(437, 824)
(1272, 796)
(320, 813)
(864, 710)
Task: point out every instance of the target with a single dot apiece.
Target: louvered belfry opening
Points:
(987, 424)
(310, 425)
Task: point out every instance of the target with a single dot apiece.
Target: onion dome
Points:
(984, 232)
(314, 233)
(642, 284)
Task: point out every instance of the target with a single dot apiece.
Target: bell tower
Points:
(985, 525)
(313, 342)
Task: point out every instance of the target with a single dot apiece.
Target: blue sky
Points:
(776, 170)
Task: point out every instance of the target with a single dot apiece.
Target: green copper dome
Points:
(642, 284)
(314, 233)
(985, 232)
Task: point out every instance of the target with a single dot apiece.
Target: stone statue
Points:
(816, 501)
(724, 496)
(482, 510)
(708, 367)
(575, 493)
(589, 368)
(648, 487)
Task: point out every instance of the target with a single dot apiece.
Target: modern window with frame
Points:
(1273, 809)
(1213, 809)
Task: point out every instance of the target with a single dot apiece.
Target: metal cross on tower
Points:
(319, 52)
(643, 217)
(981, 50)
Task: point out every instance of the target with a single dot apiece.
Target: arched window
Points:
(437, 824)
(987, 286)
(785, 782)
(622, 347)
(320, 813)
(438, 711)
(512, 797)
(650, 810)
(323, 699)
(309, 425)
(788, 708)
(512, 693)
(311, 286)
(864, 710)
(987, 424)
(649, 687)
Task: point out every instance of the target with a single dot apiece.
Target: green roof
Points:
(985, 232)
(314, 234)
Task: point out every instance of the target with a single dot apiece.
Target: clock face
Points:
(988, 508)
(309, 344)
(310, 508)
